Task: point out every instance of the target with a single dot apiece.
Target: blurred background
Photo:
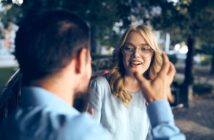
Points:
(184, 29)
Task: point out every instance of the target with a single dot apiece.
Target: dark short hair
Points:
(47, 42)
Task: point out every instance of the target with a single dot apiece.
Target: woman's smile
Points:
(135, 63)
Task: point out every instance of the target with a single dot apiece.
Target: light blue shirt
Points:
(44, 116)
(162, 121)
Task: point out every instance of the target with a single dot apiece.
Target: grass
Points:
(5, 74)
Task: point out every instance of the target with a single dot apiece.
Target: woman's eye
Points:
(144, 49)
(130, 49)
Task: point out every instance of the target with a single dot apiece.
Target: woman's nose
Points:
(136, 52)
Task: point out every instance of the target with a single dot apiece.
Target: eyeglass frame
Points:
(131, 52)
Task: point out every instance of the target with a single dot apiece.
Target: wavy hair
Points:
(117, 73)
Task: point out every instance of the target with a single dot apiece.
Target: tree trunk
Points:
(188, 75)
(212, 65)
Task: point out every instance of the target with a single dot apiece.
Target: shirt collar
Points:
(37, 96)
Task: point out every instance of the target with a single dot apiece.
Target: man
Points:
(53, 52)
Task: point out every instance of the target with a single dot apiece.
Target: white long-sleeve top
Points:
(124, 122)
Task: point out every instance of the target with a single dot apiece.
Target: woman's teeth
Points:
(136, 63)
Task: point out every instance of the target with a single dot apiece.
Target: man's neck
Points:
(60, 88)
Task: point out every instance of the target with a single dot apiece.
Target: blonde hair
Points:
(117, 74)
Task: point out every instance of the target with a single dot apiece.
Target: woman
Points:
(117, 100)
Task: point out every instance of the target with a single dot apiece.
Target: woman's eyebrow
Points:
(129, 43)
(142, 44)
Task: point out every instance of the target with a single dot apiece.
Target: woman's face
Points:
(137, 54)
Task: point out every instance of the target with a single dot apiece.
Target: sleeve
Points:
(95, 98)
(83, 127)
(162, 122)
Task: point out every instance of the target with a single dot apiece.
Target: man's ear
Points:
(81, 58)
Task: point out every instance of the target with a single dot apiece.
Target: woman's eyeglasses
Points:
(143, 50)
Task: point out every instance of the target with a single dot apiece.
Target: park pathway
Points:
(197, 121)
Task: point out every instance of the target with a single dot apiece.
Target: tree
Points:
(207, 32)
(10, 13)
(190, 20)
(100, 15)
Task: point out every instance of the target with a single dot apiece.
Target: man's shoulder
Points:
(38, 123)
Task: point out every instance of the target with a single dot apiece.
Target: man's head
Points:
(46, 44)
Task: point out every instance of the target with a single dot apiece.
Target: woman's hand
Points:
(158, 88)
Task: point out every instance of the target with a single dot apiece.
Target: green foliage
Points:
(206, 60)
(189, 20)
(186, 18)
(201, 89)
(100, 15)
(5, 74)
(173, 58)
(12, 13)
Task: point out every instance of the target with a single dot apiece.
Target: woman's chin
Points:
(133, 71)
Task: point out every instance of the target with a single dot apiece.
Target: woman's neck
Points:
(131, 84)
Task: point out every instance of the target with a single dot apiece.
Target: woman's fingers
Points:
(171, 73)
(170, 97)
(172, 70)
(158, 88)
(165, 66)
